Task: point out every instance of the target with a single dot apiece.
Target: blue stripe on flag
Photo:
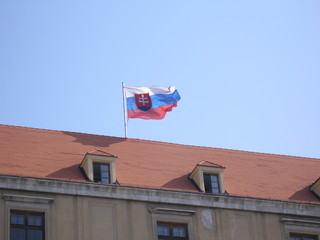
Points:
(157, 100)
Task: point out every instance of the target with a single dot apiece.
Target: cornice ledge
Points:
(174, 211)
(299, 222)
(24, 198)
(155, 195)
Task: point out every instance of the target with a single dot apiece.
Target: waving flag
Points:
(150, 102)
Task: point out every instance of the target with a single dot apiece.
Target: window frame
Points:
(207, 180)
(26, 214)
(98, 179)
(300, 226)
(172, 215)
(302, 236)
(28, 203)
(171, 225)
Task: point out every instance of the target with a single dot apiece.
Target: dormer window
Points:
(100, 167)
(209, 177)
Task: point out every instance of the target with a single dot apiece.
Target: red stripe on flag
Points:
(158, 113)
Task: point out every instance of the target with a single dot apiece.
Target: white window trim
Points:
(27, 203)
(301, 226)
(171, 215)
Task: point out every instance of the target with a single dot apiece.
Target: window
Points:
(27, 217)
(211, 183)
(101, 172)
(301, 229)
(172, 231)
(299, 236)
(26, 225)
(172, 223)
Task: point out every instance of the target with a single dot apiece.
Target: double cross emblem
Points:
(143, 101)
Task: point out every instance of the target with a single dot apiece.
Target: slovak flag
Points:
(150, 102)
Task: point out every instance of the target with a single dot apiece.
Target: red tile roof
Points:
(52, 154)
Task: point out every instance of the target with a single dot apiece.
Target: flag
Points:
(150, 102)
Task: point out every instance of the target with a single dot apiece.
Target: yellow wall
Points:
(70, 217)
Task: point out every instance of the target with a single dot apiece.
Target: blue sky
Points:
(248, 72)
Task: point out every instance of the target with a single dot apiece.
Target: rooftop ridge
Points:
(221, 149)
(162, 142)
(59, 131)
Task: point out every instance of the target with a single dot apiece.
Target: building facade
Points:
(64, 185)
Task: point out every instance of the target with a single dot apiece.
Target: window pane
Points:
(105, 180)
(179, 232)
(215, 190)
(104, 168)
(214, 184)
(163, 230)
(295, 238)
(96, 172)
(35, 221)
(35, 234)
(17, 219)
(214, 179)
(17, 234)
(105, 173)
(207, 183)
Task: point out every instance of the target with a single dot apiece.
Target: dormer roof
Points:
(100, 152)
(209, 164)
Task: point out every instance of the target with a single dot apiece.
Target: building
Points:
(74, 186)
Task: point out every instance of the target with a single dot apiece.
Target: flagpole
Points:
(125, 118)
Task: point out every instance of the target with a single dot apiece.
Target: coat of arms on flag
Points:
(143, 101)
